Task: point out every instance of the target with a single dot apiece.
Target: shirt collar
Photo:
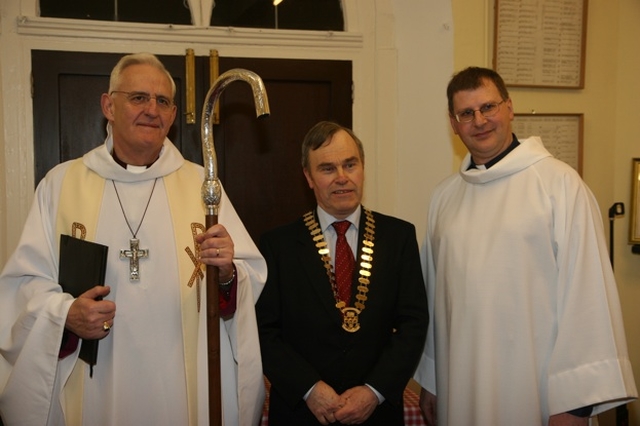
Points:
(493, 161)
(326, 220)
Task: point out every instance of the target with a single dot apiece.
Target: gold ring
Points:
(106, 326)
(218, 253)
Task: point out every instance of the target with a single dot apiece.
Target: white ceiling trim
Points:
(130, 31)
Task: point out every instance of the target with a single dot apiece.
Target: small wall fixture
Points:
(275, 4)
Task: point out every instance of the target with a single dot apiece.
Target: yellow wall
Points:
(625, 82)
(610, 103)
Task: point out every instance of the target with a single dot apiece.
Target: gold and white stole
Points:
(78, 212)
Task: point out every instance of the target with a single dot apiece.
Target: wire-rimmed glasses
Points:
(143, 99)
(487, 110)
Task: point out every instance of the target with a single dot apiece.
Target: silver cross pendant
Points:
(134, 254)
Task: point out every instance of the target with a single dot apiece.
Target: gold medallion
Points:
(350, 319)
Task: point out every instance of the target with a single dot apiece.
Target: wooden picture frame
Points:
(561, 134)
(634, 221)
(540, 44)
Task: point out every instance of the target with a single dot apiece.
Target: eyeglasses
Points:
(487, 110)
(142, 99)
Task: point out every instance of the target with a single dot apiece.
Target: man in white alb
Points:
(137, 195)
(527, 322)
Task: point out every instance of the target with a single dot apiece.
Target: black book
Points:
(83, 265)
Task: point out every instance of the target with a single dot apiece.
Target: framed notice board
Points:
(561, 134)
(540, 43)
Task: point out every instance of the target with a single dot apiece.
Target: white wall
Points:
(424, 154)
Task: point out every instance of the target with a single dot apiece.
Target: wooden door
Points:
(67, 117)
(258, 159)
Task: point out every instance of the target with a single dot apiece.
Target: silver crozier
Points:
(211, 194)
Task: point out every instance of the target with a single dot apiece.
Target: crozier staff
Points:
(139, 196)
(342, 318)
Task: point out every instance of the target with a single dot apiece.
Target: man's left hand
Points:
(359, 404)
(216, 249)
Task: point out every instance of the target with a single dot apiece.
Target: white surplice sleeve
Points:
(33, 312)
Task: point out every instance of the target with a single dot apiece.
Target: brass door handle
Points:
(190, 92)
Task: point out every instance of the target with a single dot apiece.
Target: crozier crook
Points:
(211, 195)
(211, 190)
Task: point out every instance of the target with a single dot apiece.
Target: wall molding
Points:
(130, 31)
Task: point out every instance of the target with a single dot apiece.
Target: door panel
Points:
(67, 117)
(258, 159)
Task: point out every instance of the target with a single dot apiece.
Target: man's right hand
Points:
(323, 402)
(87, 316)
(428, 406)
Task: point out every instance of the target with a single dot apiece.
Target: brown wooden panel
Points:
(81, 92)
(59, 104)
(67, 117)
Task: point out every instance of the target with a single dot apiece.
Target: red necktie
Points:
(345, 263)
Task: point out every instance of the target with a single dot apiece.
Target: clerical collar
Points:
(130, 167)
(488, 164)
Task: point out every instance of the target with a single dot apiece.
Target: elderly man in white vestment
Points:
(152, 363)
(527, 322)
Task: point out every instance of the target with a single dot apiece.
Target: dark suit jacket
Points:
(301, 335)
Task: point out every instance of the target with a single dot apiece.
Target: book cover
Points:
(83, 265)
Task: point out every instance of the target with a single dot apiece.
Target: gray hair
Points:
(138, 59)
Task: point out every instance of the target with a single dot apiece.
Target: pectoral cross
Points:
(134, 254)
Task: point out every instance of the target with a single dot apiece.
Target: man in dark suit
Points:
(334, 357)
